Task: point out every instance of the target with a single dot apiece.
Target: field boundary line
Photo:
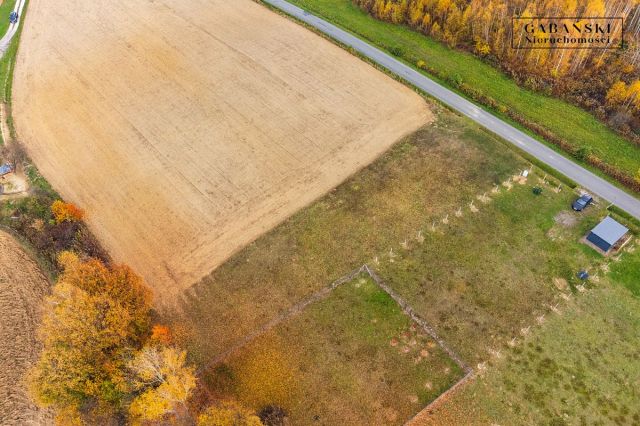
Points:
(408, 310)
(426, 411)
(415, 317)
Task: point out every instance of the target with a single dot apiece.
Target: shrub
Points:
(66, 212)
(161, 334)
(583, 153)
(396, 51)
(457, 80)
(272, 415)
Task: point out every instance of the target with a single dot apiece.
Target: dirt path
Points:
(22, 289)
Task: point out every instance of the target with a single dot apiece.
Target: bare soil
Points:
(13, 184)
(566, 218)
(22, 289)
(187, 129)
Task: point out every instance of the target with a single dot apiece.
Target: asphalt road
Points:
(578, 174)
(13, 28)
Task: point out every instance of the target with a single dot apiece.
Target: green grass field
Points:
(571, 123)
(627, 270)
(582, 367)
(487, 274)
(352, 358)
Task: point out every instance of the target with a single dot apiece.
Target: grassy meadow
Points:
(581, 367)
(352, 358)
(486, 275)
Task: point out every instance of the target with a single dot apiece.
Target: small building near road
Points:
(607, 234)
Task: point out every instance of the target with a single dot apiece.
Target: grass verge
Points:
(7, 65)
(5, 9)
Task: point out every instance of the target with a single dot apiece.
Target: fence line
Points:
(426, 411)
(415, 317)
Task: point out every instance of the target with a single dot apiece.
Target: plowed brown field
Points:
(188, 128)
(22, 288)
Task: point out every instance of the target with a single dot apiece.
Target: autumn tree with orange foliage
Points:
(101, 359)
(95, 319)
(66, 212)
(161, 334)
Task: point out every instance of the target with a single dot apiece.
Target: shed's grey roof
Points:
(610, 230)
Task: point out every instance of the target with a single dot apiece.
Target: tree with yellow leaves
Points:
(164, 383)
(94, 320)
(633, 94)
(482, 48)
(617, 94)
(66, 212)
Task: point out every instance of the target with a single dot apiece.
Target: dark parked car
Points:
(13, 17)
(582, 202)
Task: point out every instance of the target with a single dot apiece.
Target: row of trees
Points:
(585, 77)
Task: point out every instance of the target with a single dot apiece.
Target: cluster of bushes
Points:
(43, 220)
(50, 226)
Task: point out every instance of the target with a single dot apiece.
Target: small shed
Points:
(607, 234)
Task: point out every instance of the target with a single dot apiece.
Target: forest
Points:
(603, 81)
